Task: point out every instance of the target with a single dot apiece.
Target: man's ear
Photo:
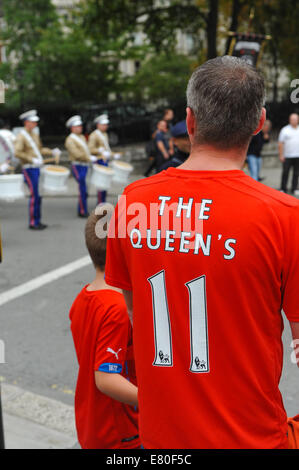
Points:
(261, 122)
(190, 121)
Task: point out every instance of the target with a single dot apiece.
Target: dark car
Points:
(129, 122)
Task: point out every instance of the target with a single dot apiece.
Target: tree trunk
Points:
(276, 75)
(236, 8)
(212, 23)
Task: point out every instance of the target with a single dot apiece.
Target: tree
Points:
(23, 29)
(51, 61)
(162, 77)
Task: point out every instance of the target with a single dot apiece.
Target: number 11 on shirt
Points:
(199, 349)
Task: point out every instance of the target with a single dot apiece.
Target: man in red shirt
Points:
(106, 392)
(208, 258)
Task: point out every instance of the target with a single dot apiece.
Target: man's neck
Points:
(207, 158)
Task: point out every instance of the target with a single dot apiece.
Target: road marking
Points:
(44, 279)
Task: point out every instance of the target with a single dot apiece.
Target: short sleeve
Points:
(291, 269)
(159, 137)
(281, 137)
(113, 339)
(116, 269)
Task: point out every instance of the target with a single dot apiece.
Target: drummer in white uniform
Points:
(98, 144)
(30, 152)
(80, 158)
(7, 151)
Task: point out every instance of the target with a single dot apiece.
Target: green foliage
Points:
(52, 61)
(77, 59)
(280, 19)
(162, 77)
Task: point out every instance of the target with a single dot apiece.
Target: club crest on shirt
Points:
(164, 358)
(200, 364)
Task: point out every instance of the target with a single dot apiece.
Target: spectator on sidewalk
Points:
(254, 157)
(106, 392)
(182, 146)
(162, 144)
(169, 117)
(151, 147)
(288, 145)
(189, 286)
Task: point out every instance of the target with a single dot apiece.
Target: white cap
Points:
(74, 121)
(102, 119)
(29, 116)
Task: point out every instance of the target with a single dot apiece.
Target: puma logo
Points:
(113, 352)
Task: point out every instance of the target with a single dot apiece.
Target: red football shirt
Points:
(212, 258)
(102, 336)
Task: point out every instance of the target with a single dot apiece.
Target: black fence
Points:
(129, 122)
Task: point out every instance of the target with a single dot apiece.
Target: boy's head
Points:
(96, 230)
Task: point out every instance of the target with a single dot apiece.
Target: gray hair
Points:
(226, 95)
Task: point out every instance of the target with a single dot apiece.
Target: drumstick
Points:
(51, 160)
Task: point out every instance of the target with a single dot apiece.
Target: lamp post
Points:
(20, 76)
(2, 440)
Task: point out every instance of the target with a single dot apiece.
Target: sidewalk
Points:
(33, 421)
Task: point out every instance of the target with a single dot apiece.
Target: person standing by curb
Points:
(288, 145)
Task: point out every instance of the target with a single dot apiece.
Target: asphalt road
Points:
(39, 353)
(35, 329)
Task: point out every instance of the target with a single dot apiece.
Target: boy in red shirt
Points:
(106, 392)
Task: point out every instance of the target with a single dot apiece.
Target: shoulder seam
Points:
(260, 193)
(139, 183)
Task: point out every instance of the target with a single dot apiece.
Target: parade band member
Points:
(98, 144)
(7, 140)
(30, 152)
(80, 158)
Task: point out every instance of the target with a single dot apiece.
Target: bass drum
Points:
(11, 187)
(6, 148)
(55, 178)
(101, 177)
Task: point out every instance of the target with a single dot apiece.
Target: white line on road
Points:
(40, 281)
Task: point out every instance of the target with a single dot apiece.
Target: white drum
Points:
(11, 187)
(101, 177)
(122, 170)
(55, 178)
(6, 147)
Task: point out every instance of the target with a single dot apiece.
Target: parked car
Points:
(129, 122)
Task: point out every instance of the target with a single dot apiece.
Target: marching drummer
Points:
(98, 144)
(7, 151)
(80, 158)
(30, 152)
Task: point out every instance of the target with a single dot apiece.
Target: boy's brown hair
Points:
(96, 245)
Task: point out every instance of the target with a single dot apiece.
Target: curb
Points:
(33, 421)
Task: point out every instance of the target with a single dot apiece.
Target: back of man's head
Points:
(226, 96)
